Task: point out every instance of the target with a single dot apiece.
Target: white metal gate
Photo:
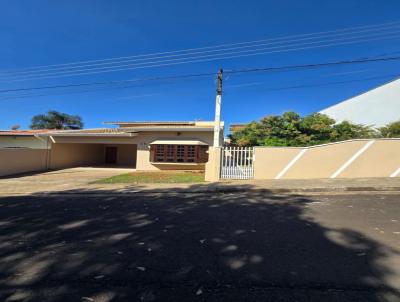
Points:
(237, 163)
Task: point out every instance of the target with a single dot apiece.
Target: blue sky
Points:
(35, 33)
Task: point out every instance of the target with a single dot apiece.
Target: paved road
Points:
(200, 247)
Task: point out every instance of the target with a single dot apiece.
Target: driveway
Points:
(243, 246)
(60, 180)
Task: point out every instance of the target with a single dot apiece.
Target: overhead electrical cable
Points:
(368, 27)
(387, 76)
(94, 86)
(195, 60)
(145, 58)
(391, 76)
(41, 74)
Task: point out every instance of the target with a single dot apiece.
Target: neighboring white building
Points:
(376, 107)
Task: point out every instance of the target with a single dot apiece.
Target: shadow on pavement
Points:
(251, 246)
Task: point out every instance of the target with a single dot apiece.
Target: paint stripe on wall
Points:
(395, 173)
(353, 158)
(291, 163)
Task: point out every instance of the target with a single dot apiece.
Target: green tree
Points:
(56, 120)
(390, 130)
(290, 129)
(316, 128)
(346, 130)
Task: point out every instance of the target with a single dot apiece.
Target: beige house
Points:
(144, 146)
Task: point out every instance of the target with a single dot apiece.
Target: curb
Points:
(214, 190)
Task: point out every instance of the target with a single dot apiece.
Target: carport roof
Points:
(133, 128)
(155, 123)
(91, 132)
(166, 124)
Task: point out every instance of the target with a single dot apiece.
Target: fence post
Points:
(213, 166)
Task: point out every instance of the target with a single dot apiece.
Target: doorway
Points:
(111, 155)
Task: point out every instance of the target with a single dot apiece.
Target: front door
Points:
(111, 155)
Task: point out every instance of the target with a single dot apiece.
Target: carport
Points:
(84, 148)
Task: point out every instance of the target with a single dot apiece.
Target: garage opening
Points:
(70, 155)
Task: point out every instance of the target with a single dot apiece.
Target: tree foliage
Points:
(391, 130)
(56, 120)
(291, 129)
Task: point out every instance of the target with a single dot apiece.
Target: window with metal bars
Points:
(178, 153)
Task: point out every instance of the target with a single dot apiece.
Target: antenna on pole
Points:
(217, 120)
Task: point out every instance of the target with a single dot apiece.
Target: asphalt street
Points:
(200, 247)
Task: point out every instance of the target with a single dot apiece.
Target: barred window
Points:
(179, 153)
(160, 153)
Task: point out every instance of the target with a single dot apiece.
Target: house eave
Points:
(177, 129)
(131, 134)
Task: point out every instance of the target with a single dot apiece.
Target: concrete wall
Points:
(324, 161)
(15, 161)
(23, 142)
(126, 155)
(75, 155)
(349, 159)
(213, 165)
(381, 159)
(271, 161)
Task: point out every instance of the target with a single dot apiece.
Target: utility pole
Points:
(217, 121)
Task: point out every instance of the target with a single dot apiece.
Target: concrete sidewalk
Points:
(79, 183)
(271, 186)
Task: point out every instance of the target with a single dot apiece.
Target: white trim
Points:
(177, 164)
(353, 158)
(395, 173)
(178, 142)
(39, 138)
(52, 139)
(291, 163)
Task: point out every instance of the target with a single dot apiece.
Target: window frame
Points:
(178, 154)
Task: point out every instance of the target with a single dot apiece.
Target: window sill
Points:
(182, 164)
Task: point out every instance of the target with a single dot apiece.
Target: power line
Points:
(112, 82)
(233, 71)
(217, 46)
(202, 60)
(392, 76)
(211, 57)
(124, 84)
(345, 62)
(192, 52)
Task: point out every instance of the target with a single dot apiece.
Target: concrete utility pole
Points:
(217, 121)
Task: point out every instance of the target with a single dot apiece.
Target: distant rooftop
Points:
(156, 125)
(125, 129)
(23, 132)
(237, 127)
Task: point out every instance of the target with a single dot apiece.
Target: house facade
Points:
(376, 107)
(144, 146)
